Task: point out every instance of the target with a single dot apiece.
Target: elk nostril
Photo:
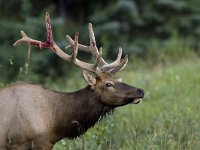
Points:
(140, 92)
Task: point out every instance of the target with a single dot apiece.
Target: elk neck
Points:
(79, 111)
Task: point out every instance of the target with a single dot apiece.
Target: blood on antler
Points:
(100, 66)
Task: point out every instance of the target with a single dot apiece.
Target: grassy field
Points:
(168, 118)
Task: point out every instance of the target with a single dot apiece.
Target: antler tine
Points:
(117, 61)
(122, 64)
(75, 50)
(89, 49)
(93, 46)
(98, 58)
(114, 69)
(92, 39)
(80, 46)
(48, 28)
(117, 65)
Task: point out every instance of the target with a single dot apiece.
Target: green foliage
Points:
(168, 118)
(133, 23)
(172, 49)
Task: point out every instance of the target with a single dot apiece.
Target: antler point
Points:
(76, 34)
(47, 14)
(23, 33)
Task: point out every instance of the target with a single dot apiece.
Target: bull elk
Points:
(34, 117)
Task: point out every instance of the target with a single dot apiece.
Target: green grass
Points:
(168, 118)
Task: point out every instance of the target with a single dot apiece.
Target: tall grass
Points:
(168, 118)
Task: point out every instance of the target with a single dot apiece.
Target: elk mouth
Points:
(135, 100)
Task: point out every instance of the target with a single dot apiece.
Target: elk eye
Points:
(108, 85)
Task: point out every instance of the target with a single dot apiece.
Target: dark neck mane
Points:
(84, 109)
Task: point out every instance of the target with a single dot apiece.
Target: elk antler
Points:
(114, 67)
(100, 66)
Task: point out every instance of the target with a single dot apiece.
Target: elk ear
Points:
(89, 78)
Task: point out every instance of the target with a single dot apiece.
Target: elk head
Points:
(113, 91)
(102, 81)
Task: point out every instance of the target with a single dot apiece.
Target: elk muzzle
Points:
(135, 97)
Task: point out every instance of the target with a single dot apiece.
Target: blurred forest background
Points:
(148, 30)
(161, 38)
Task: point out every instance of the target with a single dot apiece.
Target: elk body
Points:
(34, 117)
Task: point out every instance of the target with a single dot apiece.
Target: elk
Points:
(35, 117)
